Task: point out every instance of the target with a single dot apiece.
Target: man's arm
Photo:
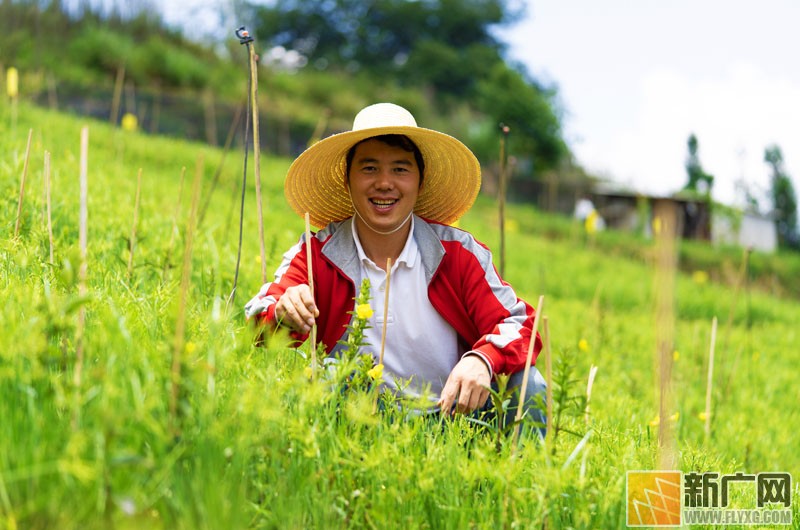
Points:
(467, 387)
(287, 300)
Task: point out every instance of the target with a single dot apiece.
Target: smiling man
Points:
(389, 189)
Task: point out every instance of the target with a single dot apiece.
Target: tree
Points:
(506, 96)
(784, 201)
(381, 35)
(445, 48)
(698, 180)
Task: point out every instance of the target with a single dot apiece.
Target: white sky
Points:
(637, 77)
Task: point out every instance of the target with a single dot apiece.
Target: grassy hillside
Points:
(231, 435)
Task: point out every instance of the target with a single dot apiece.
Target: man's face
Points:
(384, 184)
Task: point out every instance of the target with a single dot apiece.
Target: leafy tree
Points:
(698, 180)
(380, 34)
(784, 200)
(445, 48)
(506, 96)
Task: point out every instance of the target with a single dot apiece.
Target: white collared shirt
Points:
(420, 344)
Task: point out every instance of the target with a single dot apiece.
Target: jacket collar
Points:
(340, 249)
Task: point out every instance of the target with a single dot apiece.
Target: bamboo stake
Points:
(47, 202)
(180, 323)
(133, 225)
(385, 308)
(117, 97)
(710, 382)
(174, 225)
(228, 140)
(741, 281)
(210, 116)
(385, 321)
(666, 256)
(82, 243)
(313, 334)
(502, 197)
(22, 183)
(592, 374)
(257, 157)
(548, 368)
(526, 374)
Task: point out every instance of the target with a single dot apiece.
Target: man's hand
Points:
(469, 383)
(296, 308)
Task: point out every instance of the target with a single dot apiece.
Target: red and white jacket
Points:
(463, 286)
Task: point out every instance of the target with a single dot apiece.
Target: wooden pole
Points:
(22, 184)
(210, 116)
(47, 202)
(502, 197)
(548, 368)
(117, 97)
(741, 281)
(592, 374)
(228, 140)
(186, 275)
(82, 244)
(710, 381)
(133, 225)
(526, 374)
(385, 321)
(665, 228)
(313, 335)
(385, 308)
(257, 157)
(174, 230)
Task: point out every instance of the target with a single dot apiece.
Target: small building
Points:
(751, 230)
(633, 212)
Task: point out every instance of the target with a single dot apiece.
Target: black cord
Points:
(232, 296)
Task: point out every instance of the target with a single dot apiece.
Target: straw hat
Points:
(316, 179)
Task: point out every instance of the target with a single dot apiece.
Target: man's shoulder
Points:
(453, 234)
(331, 229)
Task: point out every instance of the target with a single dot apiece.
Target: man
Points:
(389, 189)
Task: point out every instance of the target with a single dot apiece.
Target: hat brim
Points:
(315, 182)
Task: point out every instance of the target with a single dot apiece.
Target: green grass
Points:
(254, 444)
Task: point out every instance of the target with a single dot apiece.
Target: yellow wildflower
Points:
(676, 355)
(363, 311)
(657, 420)
(12, 82)
(583, 345)
(130, 122)
(702, 416)
(190, 347)
(657, 226)
(700, 277)
(376, 372)
(590, 223)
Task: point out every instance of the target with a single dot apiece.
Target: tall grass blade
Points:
(132, 242)
(47, 203)
(18, 222)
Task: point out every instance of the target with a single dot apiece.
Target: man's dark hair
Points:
(393, 140)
